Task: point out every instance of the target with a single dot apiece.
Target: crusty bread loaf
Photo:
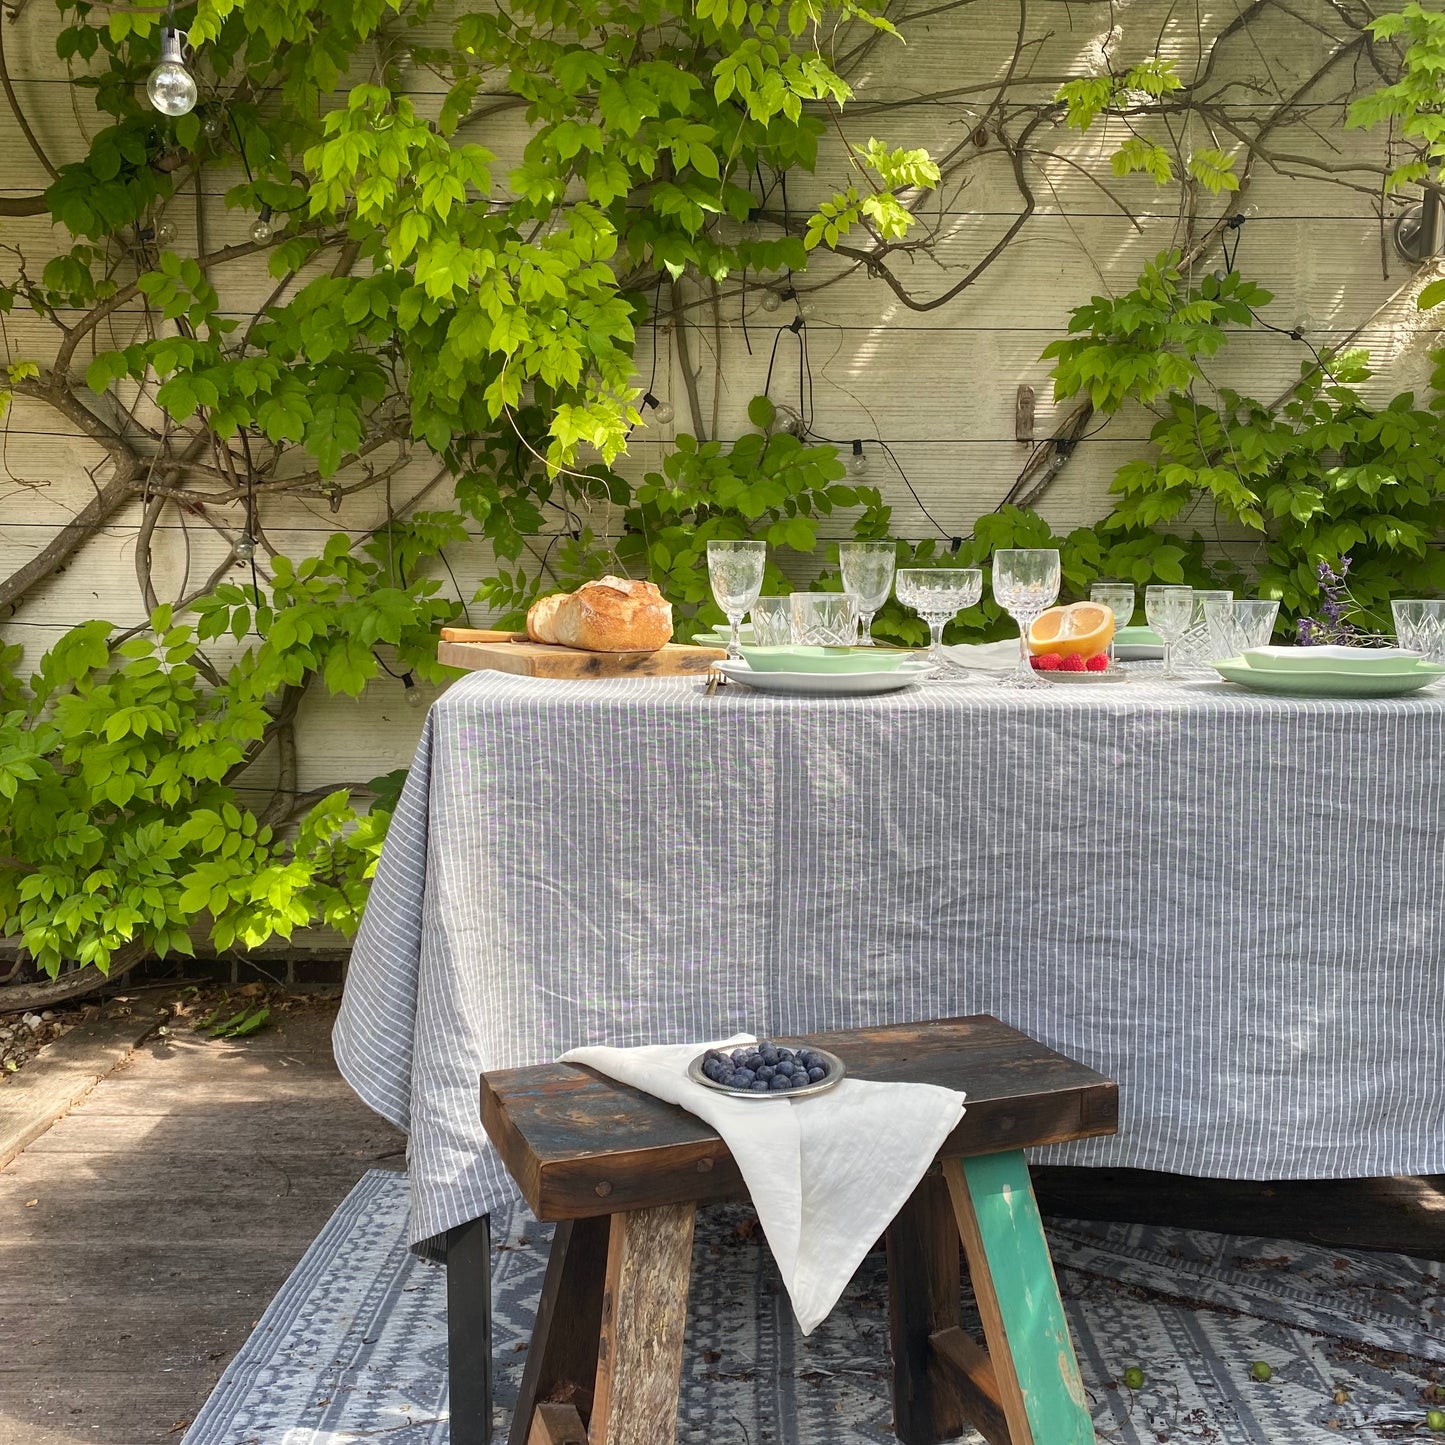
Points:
(541, 615)
(613, 614)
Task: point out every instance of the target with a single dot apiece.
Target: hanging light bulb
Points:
(752, 230)
(171, 87)
(165, 234)
(212, 126)
(245, 547)
(785, 419)
(665, 412)
(771, 300)
(261, 227)
(410, 692)
(858, 463)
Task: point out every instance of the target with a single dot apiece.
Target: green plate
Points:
(832, 660)
(1325, 683)
(718, 637)
(1393, 660)
(1138, 644)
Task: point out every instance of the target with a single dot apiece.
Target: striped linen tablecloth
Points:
(1232, 904)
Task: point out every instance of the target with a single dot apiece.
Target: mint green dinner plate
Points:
(1138, 644)
(1327, 683)
(833, 660)
(1329, 658)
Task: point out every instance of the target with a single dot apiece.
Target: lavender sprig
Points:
(1335, 620)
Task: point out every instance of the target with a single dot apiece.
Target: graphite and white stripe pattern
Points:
(1230, 903)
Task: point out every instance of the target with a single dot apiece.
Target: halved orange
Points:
(1082, 628)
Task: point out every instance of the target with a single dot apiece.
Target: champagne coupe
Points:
(938, 595)
(1025, 584)
(735, 570)
(1170, 610)
(867, 569)
(1119, 598)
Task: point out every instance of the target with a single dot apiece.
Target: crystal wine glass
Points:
(938, 595)
(735, 570)
(867, 569)
(1170, 610)
(1119, 598)
(1025, 584)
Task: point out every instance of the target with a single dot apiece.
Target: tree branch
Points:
(19, 115)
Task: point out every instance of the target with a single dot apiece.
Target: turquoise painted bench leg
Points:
(1035, 1376)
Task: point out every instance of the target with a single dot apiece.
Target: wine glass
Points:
(1025, 584)
(1170, 610)
(735, 571)
(1119, 598)
(938, 595)
(867, 569)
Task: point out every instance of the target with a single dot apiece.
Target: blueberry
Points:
(779, 1081)
(817, 1073)
(786, 1054)
(738, 1055)
(758, 1087)
(711, 1069)
(798, 1081)
(743, 1077)
(753, 1059)
(787, 1066)
(768, 1054)
(766, 1072)
(713, 1054)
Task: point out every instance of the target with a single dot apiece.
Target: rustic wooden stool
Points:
(623, 1173)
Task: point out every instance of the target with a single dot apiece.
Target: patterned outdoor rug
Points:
(353, 1348)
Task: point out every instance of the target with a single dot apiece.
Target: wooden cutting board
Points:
(476, 650)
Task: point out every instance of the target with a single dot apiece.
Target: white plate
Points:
(1393, 660)
(827, 684)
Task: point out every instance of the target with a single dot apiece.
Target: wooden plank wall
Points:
(938, 385)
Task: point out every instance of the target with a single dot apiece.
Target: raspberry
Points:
(1072, 663)
(1098, 663)
(1048, 662)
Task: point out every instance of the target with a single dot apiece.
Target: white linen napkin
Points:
(826, 1174)
(985, 656)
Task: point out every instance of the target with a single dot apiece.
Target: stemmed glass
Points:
(1025, 584)
(1119, 598)
(1170, 610)
(938, 595)
(735, 570)
(867, 569)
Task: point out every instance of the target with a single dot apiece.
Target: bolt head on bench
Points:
(579, 1144)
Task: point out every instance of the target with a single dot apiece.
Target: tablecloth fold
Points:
(826, 1173)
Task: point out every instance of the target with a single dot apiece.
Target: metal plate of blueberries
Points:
(811, 1059)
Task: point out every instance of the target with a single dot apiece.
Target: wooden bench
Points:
(622, 1174)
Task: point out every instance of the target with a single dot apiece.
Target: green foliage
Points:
(121, 812)
(1147, 342)
(1415, 103)
(1324, 476)
(1146, 84)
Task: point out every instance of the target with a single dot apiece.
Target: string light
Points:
(165, 234)
(858, 464)
(171, 87)
(771, 300)
(261, 227)
(410, 692)
(245, 547)
(661, 409)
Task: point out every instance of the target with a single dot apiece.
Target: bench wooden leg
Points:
(562, 1358)
(1030, 1375)
(469, 1332)
(644, 1313)
(923, 1291)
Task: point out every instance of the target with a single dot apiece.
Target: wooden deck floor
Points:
(142, 1236)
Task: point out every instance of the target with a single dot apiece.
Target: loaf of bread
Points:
(612, 614)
